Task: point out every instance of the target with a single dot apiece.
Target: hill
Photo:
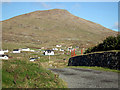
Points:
(50, 27)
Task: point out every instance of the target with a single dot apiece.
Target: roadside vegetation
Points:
(25, 74)
(19, 72)
(110, 43)
(95, 68)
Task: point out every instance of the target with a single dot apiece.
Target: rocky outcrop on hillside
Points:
(106, 59)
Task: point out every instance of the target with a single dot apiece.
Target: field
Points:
(19, 72)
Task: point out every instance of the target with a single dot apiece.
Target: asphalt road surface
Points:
(87, 78)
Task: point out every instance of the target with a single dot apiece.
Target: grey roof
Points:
(48, 51)
(15, 49)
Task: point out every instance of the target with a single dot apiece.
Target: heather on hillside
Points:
(110, 43)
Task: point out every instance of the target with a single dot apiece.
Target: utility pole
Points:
(49, 58)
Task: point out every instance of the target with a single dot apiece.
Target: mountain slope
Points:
(54, 26)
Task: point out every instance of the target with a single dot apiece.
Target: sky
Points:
(104, 13)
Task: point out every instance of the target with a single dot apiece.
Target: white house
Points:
(6, 51)
(42, 47)
(16, 51)
(1, 52)
(32, 59)
(49, 52)
(32, 50)
(69, 49)
(58, 45)
(4, 57)
(25, 49)
(62, 50)
(55, 49)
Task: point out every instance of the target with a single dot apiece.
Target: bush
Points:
(110, 43)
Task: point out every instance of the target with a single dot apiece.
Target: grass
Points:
(19, 72)
(103, 51)
(25, 74)
(95, 68)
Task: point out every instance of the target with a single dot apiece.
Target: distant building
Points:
(58, 45)
(25, 49)
(48, 52)
(42, 47)
(16, 51)
(62, 50)
(4, 57)
(32, 50)
(33, 59)
(6, 51)
(69, 49)
(1, 52)
(55, 49)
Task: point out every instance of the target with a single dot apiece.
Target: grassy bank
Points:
(95, 68)
(19, 72)
(25, 74)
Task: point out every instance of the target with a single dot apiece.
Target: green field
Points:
(95, 68)
(19, 72)
(25, 74)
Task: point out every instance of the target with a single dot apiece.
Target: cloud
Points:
(6, 0)
(45, 5)
(116, 25)
(52, 5)
(59, 5)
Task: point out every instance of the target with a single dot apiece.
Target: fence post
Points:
(71, 53)
(81, 51)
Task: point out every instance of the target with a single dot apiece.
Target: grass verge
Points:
(26, 74)
(95, 68)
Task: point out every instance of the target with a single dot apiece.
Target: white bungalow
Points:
(62, 50)
(16, 51)
(25, 49)
(4, 57)
(58, 45)
(32, 59)
(48, 52)
(42, 47)
(55, 49)
(1, 52)
(32, 50)
(6, 51)
(69, 49)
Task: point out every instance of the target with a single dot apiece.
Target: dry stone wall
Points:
(106, 59)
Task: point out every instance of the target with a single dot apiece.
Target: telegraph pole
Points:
(49, 58)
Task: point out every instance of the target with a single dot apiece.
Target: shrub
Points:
(110, 43)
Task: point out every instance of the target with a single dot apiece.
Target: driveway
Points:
(87, 78)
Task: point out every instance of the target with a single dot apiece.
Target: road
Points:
(87, 78)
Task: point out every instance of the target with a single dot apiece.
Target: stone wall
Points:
(105, 59)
